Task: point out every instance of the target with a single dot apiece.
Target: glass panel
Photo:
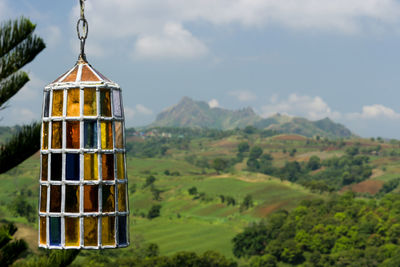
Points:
(73, 134)
(90, 167)
(122, 230)
(90, 134)
(105, 103)
(56, 167)
(43, 231)
(90, 104)
(72, 76)
(121, 197)
(46, 104)
(119, 141)
(45, 166)
(72, 198)
(56, 141)
(90, 227)
(72, 167)
(72, 231)
(45, 140)
(55, 198)
(58, 99)
(117, 103)
(120, 166)
(107, 166)
(91, 199)
(55, 231)
(43, 198)
(108, 198)
(73, 106)
(108, 231)
(88, 75)
(106, 135)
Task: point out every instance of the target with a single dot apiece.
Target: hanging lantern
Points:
(83, 184)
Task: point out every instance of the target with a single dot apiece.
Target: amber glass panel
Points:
(72, 76)
(56, 139)
(45, 165)
(73, 134)
(90, 104)
(55, 197)
(108, 231)
(107, 166)
(91, 200)
(43, 198)
(43, 230)
(72, 231)
(120, 166)
(90, 167)
(119, 141)
(72, 198)
(105, 103)
(90, 227)
(121, 197)
(88, 75)
(108, 198)
(45, 141)
(106, 135)
(73, 106)
(58, 100)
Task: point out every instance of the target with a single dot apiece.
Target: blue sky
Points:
(310, 58)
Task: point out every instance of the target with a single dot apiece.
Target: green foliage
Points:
(243, 147)
(192, 191)
(314, 163)
(154, 212)
(10, 250)
(389, 186)
(219, 164)
(266, 260)
(247, 203)
(255, 152)
(21, 207)
(51, 258)
(149, 181)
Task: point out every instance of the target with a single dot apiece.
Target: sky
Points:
(311, 58)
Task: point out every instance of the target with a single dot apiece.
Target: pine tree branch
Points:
(20, 147)
(11, 86)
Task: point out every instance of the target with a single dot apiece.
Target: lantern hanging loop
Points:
(84, 26)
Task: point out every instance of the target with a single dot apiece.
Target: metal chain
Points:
(82, 24)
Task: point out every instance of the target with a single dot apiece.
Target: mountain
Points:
(190, 113)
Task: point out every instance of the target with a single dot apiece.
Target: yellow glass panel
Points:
(119, 141)
(58, 100)
(90, 228)
(72, 231)
(120, 166)
(108, 196)
(90, 198)
(56, 138)
(73, 106)
(43, 231)
(43, 198)
(45, 141)
(45, 165)
(90, 167)
(90, 104)
(72, 198)
(106, 135)
(108, 231)
(73, 134)
(121, 197)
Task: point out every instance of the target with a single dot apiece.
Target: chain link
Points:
(82, 28)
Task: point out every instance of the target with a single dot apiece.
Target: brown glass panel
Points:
(56, 139)
(45, 166)
(106, 135)
(121, 197)
(72, 76)
(120, 166)
(73, 105)
(88, 75)
(119, 141)
(43, 198)
(108, 231)
(72, 198)
(58, 100)
(90, 167)
(105, 103)
(107, 166)
(72, 232)
(55, 198)
(73, 134)
(90, 225)
(108, 196)
(43, 230)
(45, 140)
(91, 200)
(90, 103)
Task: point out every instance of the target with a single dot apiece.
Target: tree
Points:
(219, 164)
(10, 250)
(314, 163)
(251, 241)
(192, 191)
(154, 212)
(255, 152)
(18, 46)
(243, 147)
(149, 181)
(247, 203)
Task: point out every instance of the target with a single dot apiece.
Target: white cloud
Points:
(52, 35)
(213, 103)
(129, 113)
(375, 111)
(243, 96)
(143, 110)
(33, 90)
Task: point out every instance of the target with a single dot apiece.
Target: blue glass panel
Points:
(122, 230)
(56, 167)
(90, 134)
(72, 167)
(46, 104)
(55, 231)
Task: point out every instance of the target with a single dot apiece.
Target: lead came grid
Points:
(83, 185)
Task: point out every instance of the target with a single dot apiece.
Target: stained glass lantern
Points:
(83, 183)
